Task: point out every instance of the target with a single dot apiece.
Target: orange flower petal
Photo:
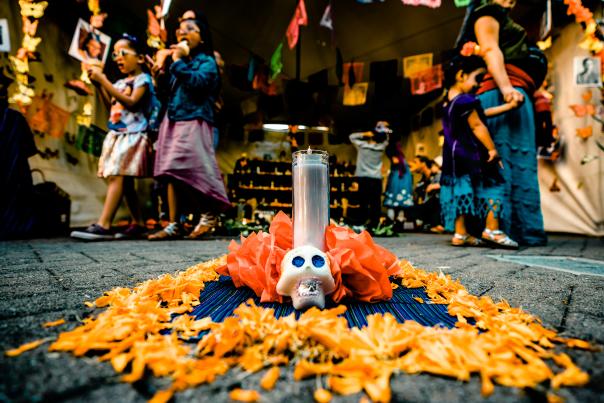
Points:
(269, 379)
(24, 347)
(54, 323)
(322, 396)
(244, 395)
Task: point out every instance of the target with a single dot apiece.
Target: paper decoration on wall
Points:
(352, 73)
(427, 80)
(157, 35)
(45, 117)
(462, 3)
(4, 35)
(587, 72)
(369, 1)
(327, 20)
(546, 44)
(89, 45)
(357, 95)
(588, 158)
(30, 13)
(276, 63)
(583, 110)
(85, 118)
(585, 132)
(293, 30)
(49, 78)
(71, 159)
(554, 187)
(90, 140)
(427, 3)
(48, 154)
(415, 64)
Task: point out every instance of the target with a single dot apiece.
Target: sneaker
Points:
(171, 231)
(93, 233)
(206, 226)
(132, 231)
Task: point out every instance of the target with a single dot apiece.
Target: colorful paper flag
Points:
(427, 80)
(462, 3)
(293, 30)
(352, 72)
(276, 62)
(355, 95)
(327, 20)
(415, 64)
(427, 3)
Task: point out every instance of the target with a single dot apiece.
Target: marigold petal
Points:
(244, 395)
(24, 347)
(54, 323)
(269, 379)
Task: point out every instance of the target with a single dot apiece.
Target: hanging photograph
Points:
(4, 38)
(89, 45)
(587, 72)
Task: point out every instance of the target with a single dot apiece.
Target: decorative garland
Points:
(30, 13)
(582, 15)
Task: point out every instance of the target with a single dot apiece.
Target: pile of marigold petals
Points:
(512, 349)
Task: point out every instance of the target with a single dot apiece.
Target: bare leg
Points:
(115, 189)
(460, 225)
(172, 202)
(133, 202)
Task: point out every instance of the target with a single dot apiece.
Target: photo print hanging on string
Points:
(89, 45)
(4, 36)
(587, 72)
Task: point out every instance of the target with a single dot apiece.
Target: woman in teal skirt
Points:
(515, 70)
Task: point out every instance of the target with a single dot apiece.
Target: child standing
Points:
(126, 149)
(185, 153)
(471, 184)
(399, 190)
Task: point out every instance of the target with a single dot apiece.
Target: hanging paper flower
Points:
(470, 48)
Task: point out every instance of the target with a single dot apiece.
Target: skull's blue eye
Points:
(298, 261)
(318, 261)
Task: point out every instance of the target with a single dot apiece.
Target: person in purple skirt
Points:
(471, 181)
(184, 152)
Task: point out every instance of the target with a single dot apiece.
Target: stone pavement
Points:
(44, 280)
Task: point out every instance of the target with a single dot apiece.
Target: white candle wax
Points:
(310, 177)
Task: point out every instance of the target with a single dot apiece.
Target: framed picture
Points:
(587, 72)
(89, 45)
(4, 37)
(357, 95)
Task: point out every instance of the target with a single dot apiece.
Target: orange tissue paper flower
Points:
(359, 266)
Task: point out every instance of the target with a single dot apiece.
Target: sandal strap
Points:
(460, 236)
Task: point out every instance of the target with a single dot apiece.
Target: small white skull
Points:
(306, 277)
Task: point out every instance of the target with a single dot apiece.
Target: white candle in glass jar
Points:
(310, 178)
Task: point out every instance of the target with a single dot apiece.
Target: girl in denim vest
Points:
(185, 156)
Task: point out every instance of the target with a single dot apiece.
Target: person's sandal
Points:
(206, 226)
(465, 240)
(498, 239)
(172, 231)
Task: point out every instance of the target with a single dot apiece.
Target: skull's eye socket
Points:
(318, 261)
(298, 261)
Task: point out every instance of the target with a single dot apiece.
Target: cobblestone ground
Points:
(43, 280)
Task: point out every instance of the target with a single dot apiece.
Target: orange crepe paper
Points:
(360, 268)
